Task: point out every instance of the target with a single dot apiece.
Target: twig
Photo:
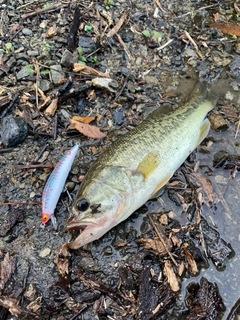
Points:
(162, 240)
(193, 43)
(165, 45)
(124, 47)
(10, 105)
(84, 306)
(123, 86)
(73, 30)
(202, 8)
(41, 152)
(44, 10)
(119, 24)
(238, 125)
(159, 6)
(55, 128)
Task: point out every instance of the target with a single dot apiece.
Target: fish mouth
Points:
(74, 224)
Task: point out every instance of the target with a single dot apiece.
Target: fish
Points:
(55, 184)
(135, 167)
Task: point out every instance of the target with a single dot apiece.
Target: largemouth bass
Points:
(136, 166)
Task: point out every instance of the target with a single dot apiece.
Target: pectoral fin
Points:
(204, 129)
(149, 163)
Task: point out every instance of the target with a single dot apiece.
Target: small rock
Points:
(24, 72)
(234, 68)
(11, 62)
(87, 44)
(33, 53)
(27, 32)
(67, 59)
(44, 85)
(65, 114)
(14, 131)
(70, 186)
(44, 252)
(118, 116)
(57, 74)
(105, 83)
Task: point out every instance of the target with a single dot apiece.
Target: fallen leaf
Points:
(7, 268)
(78, 67)
(13, 27)
(207, 187)
(229, 28)
(88, 130)
(51, 32)
(51, 108)
(156, 245)
(83, 119)
(190, 259)
(62, 259)
(172, 278)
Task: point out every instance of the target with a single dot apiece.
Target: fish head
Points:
(102, 202)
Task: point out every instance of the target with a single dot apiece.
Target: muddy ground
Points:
(154, 52)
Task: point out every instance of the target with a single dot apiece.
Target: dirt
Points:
(144, 48)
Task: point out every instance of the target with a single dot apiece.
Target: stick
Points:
(44, 10)
(193, 43)
(162, 240)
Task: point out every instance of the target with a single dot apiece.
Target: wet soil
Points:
(154, 63)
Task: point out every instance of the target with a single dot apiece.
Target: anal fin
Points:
(158, 190)
(204, 129)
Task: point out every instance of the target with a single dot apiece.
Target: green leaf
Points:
(87, 28)
(30, 70)
(156, 35)
(8, 46)
(45, 71)
(80, 51)
(146, 33)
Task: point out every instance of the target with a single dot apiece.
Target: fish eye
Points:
(83, 205)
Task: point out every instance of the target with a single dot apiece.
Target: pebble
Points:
(118, 116)
(44, 252)
(14, 131)
(33, 53)
(57, 74)
(27, 32)
(67, 59)
(24, 72)
(87, 44)
(45, 85)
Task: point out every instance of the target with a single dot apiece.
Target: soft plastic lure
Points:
(55, 184)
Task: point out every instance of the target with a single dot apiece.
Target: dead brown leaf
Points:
(156, 245)
(51, 32)
(83, 119)
(207, 186)
(229, 28)
(88, 130)
(51, 109)
(171, 276)
(62, 259)
(190, 260)
(7, 267)
(43, 97)
(78, 67)
(13, 27)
